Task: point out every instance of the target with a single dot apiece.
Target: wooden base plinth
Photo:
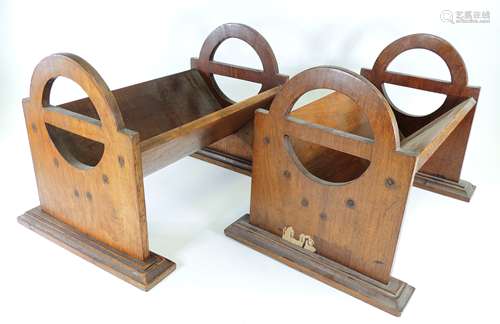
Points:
(142, 274)
(391, 297)
(462, 190)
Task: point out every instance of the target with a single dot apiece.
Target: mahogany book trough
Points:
(330, 179)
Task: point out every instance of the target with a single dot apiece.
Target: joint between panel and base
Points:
(391, 297)
(142, 274)
(461, 190)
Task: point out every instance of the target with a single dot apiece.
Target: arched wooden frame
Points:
(274, 156)
(61, 181)
(269, 77)
(99, 212)
(442, 172)
(235, 151)
(371, 102)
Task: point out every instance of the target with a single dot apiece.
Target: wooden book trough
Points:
(90, 155)
(441, 173)
(330, 180)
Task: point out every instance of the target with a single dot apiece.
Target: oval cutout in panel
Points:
(421, 62)
(415, 102)
(235, 89)
(333, 110)
(80, 152)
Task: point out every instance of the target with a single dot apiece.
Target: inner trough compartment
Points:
(175, 116)
(156, 106)
(338, 111)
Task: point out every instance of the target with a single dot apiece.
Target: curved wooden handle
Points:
(360, 90)
(78, 70)
(429, 42)
(269, 77)
(455, 90)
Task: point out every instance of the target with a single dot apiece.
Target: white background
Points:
(448, 249)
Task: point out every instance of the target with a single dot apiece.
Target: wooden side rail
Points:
(425, 84)
(74, 122)
(333, 139)
(426, 141)
(239, 72)
(163, 149)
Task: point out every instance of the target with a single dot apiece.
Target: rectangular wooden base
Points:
(462, 190)
(391, 297)
(142, 274)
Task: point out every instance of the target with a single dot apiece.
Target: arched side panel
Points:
(456, 90)
(269, 77)
(442, 171)
(355, 224)
(235, 151)
(106, 201)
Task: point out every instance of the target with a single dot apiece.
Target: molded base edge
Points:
(391, 297)
(462, 190)
(142, 274)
